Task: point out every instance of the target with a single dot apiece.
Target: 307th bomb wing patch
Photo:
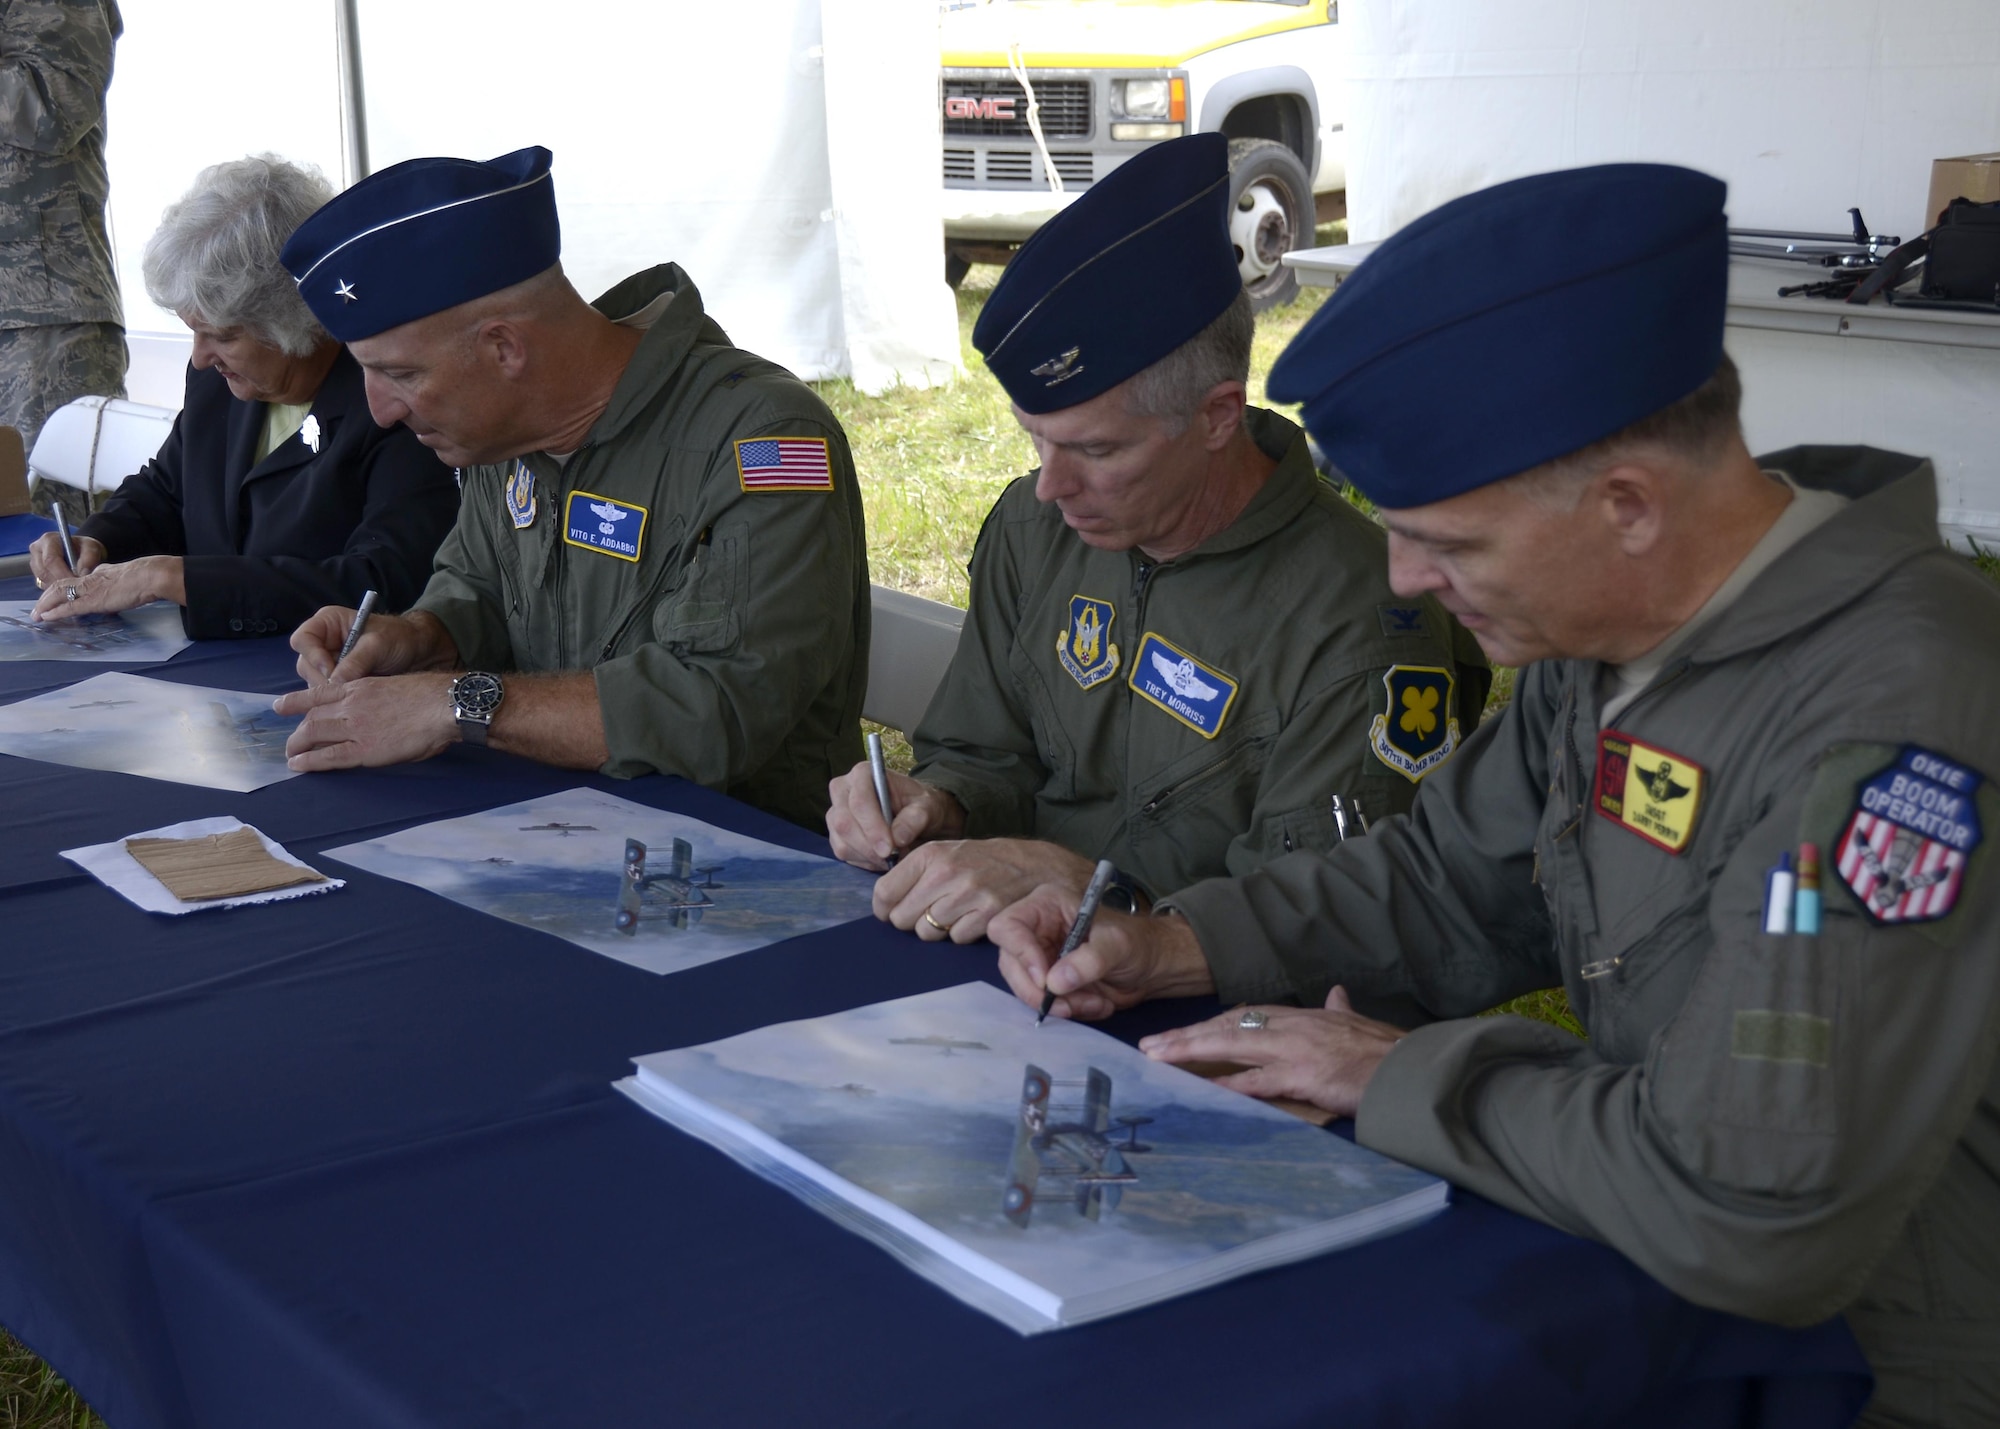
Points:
(1084, 647)
(1649, 791)
(1195, 693)
(1418, 731)
(1914, 825)
(784, 464)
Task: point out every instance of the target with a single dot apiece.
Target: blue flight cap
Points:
(1140, 263)
(1514, 326)
(422, 236)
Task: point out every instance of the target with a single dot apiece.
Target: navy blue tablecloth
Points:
(355, 1160)
(17, 533)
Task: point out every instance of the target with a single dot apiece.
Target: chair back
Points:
(94, 443)
(910, 644)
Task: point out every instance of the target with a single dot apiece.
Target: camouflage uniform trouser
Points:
(42, 368)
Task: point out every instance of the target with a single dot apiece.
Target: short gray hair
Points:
(1172, 388)
(215, 253)
(1694, 430)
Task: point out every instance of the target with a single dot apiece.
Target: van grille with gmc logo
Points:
(998, 107)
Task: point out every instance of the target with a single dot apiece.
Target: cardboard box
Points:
(13, 474)
(1975, 176)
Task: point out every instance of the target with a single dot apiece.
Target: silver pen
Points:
(62, 530)
(1359, 817)
(879, 767)
(1086, 914)
(1339, 819)
(361, 614)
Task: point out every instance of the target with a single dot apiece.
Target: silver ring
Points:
(1251, 1020)
(71, 592)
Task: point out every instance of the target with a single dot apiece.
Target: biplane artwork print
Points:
(658, 890)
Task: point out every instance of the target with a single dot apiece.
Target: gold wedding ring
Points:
(944, 928)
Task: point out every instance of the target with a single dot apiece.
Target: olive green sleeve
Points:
(757, 625)
(466, 591)
(1774, 1142)
(1439, 905)
(55, 65)
(977, 739)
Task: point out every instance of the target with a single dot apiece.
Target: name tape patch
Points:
(1652, 792)
(1914, 825)
(1417, 731)
(1084, 647)
(784, 464)
(598, 523)
(1196, 694)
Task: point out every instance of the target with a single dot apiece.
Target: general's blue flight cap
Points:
(1514, 326)
(1140, 263)
(422, 236)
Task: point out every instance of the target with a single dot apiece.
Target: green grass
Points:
(32, 1396)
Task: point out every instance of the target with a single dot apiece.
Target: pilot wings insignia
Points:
(1060, 368)
(1191, 690)
(607, 516)
(1182, 677)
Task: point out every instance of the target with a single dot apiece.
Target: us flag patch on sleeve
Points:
(1912, 829)
(784, 464)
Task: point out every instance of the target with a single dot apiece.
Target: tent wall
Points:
(710, 135)
(1806, 109)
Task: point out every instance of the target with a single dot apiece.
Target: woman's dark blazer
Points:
(266, 545)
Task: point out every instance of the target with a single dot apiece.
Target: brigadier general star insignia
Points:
(345, 292)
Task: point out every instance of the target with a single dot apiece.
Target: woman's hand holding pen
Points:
(104, 589)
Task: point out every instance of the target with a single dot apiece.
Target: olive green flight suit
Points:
(733, 649)
(1290, 605)
(1782, 1126)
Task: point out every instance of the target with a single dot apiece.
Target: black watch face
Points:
(477, 694)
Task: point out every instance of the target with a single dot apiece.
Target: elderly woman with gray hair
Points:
(276, 493)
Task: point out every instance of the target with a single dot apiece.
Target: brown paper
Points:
(1973, 176)
(229, 865)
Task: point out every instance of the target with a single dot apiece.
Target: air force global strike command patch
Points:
(1417, 732)
(599, 523)
(1084, 647)
(521, 496)
(1914, 825)
(1646, 790)
(1197, 695)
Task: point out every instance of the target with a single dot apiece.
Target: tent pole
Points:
(353, 93)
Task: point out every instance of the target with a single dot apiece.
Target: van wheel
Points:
(956, 266)
(1270, 214)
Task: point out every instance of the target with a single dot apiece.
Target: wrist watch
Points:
(475, 696)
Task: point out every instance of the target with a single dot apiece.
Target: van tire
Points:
(1270, 214)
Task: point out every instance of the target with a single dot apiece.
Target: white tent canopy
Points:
(785, 152)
